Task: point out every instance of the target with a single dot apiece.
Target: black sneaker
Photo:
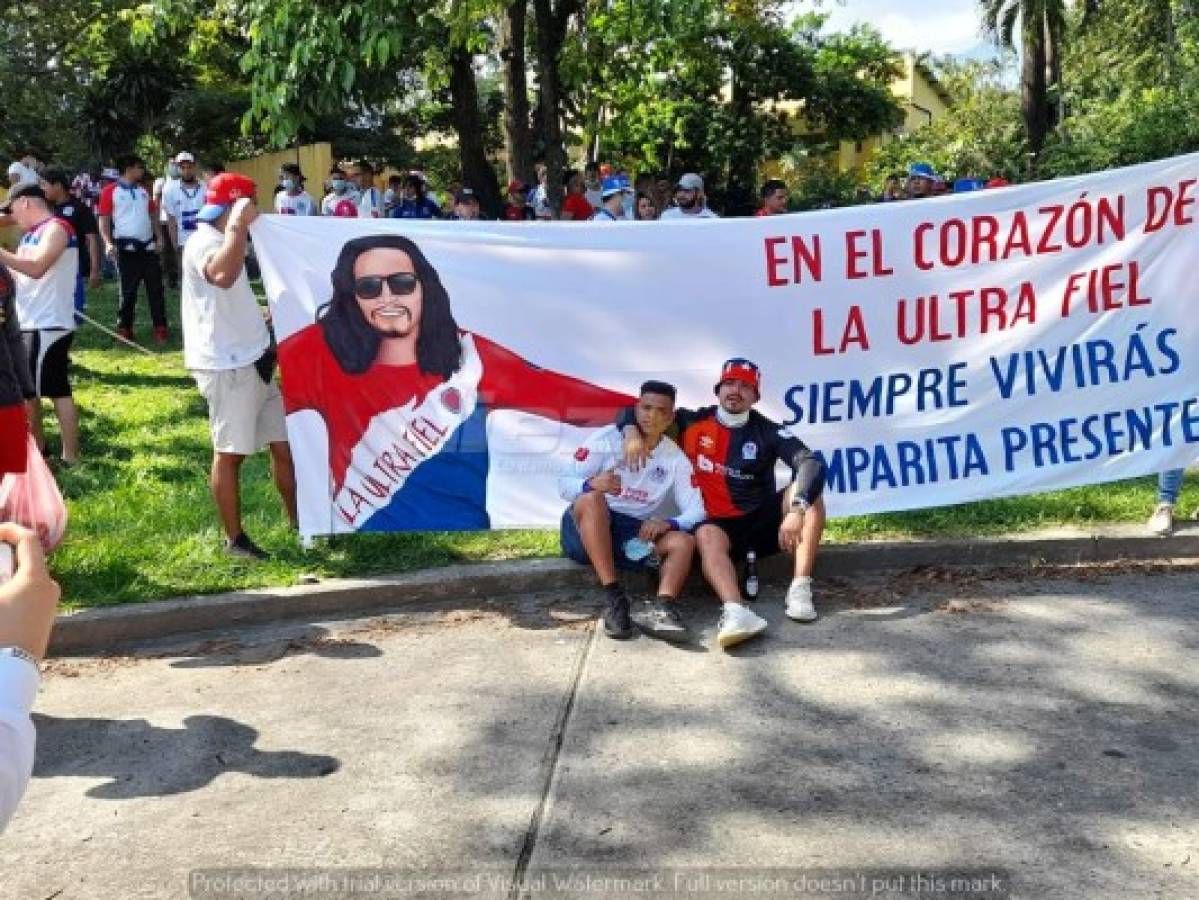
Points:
(617, 624)
(658, 618)
(241, 546)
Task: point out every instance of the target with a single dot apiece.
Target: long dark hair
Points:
(352, 340)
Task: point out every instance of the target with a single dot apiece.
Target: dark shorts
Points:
(621, 527)
(49, 352)
(758, 530)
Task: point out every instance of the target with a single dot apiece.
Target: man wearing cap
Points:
(292, 199)
(56, 184)
(615, 518)
(181, 200)
(734, 449)
(45, 268)
(132, 234)
(612, 196)
(466, 206)
(517, 210)
(226, 346)
(689, 200)
(920, 180)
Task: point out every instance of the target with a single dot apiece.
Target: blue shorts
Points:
(621, 527)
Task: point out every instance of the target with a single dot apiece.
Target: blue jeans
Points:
(1169, 484)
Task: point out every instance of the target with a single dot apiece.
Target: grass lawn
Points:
(143, 526)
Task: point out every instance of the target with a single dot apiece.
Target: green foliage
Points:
(980, 135)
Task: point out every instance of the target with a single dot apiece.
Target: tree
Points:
(1041, 31)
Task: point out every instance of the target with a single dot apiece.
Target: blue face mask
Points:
(339, 184)
(288, 184)
(172, 171)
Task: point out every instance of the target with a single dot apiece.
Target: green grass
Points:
(143, 527)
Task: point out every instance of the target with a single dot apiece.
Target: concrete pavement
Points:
(1043, 729)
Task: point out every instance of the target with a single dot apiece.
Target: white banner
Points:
(934, 352)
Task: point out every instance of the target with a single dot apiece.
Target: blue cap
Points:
(921, 170)
(964, 185)
(614, 184)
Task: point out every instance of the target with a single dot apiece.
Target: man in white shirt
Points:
(614, 519)
(292, 199)
(182, 199)
(613, 191)
(227, 348)
(689, 200)
(27, 603)
(45, 268)
(370, 198)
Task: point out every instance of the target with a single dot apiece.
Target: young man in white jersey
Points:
(370, 198)
(292, 199)
(614, 519)
(181, 200)
(227, 348)
(341, 201)
(45, 268)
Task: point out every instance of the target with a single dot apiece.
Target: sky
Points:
(939, 26)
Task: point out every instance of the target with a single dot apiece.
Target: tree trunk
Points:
(551, 31)
(743, 161)
(1053, 70)
(518, 136)
(477, 172)
(1034, 100)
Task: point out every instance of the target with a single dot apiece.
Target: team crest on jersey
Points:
(658, 475)
(581, 454)
(451, 400)
(707, 442)
(749, 450)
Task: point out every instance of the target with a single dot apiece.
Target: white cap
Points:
(690, 182)
(16, 168)
(184, 156)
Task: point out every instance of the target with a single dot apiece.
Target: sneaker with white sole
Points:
(1161, 522)
(799, 600)
(737, 624)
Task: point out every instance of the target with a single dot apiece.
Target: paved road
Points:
(1045, 729)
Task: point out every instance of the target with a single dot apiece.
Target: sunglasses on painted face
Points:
(370, 287)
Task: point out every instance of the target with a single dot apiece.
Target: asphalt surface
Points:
(1036, 734)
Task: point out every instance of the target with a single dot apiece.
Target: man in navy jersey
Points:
(734, 449)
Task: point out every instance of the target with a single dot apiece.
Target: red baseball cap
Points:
(221, 194)
(740, 369)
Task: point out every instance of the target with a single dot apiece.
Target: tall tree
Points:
(1040, 37)
(518, 131)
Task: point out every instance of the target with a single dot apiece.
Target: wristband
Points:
(799, 504)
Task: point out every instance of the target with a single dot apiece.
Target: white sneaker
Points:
(799, 600)
(737, 624)
(1161, 522)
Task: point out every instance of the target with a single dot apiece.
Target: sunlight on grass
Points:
(143, 526)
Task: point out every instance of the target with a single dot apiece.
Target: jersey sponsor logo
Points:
(582, 453)
(749, 450)
(658, 475)
(703, 464)
(707, 442)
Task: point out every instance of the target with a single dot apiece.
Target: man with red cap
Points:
(227, 348)
(734, 449)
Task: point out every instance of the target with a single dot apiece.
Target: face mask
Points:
(289, 184)
(339, 184)
(173, 170)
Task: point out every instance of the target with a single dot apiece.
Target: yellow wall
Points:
(315, 160)
(9, 234)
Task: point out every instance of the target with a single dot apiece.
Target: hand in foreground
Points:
(608, 482)
(791, 531)
(28, 601)
(652, 529)
(635, 453)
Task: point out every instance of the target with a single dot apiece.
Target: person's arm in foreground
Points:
(27, 604)
(227, 262)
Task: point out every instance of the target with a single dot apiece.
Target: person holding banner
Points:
(611, 522)
(734, 449)
(404, 394)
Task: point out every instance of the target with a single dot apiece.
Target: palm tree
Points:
(1041, 29)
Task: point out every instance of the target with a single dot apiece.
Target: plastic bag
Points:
(31, 498)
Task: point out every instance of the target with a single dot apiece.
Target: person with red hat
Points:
(734, 449)
(227, 348)
(518, 208)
